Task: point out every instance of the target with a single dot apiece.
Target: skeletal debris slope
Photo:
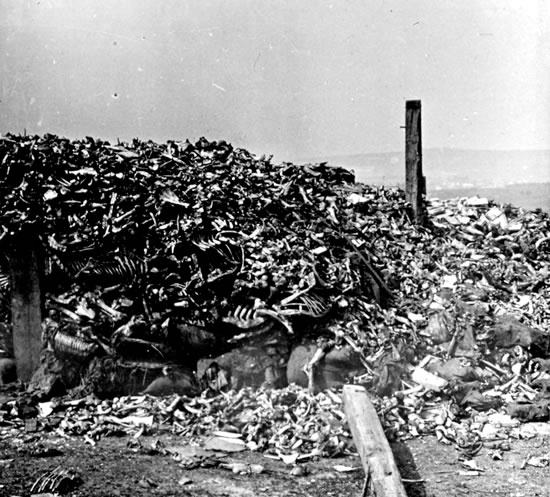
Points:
(211, 235)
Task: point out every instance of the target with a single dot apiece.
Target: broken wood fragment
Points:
(381, 471)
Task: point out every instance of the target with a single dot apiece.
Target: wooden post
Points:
(415, 183)
(381, 472)
(26, 303)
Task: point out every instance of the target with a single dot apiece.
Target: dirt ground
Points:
(116, 467)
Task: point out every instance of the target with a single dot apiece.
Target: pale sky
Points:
(294, 78)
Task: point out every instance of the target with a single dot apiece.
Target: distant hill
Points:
(527, 195)
(513, 176)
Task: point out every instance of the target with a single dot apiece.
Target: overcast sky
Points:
(295, 78)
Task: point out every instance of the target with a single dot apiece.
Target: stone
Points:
(50, 379)
(109, 377)
(262, 362)
(509, 332)
(8, 371)
(438, 328)
(454, 369)
(334, 369)
(174, 380)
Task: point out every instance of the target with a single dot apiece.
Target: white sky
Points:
(295, 78)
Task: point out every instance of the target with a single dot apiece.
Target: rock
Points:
(510, 332)
(428, 380)
(544, 364)
(109, 377)
(8, 372)
(6, 342)
(390, 376)
(454, 369)
(193, 340)
(467, 394)
(336, 367)
(530, 411)
(55, 376)
(500, 419)
(438, 328)
(477, 309)
(212, 376)
(246, 366)
(299, 471)
(535, 429)
(221, 444)
(466, 345)
(543, 384)
(262, 362)
(173, 380)
(46, 384)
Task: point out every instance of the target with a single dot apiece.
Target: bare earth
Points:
(111, 468)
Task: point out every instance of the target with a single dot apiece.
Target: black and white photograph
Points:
(274, 248)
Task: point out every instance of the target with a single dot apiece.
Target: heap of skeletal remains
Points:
(161, 257)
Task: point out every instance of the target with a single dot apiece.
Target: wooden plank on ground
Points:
(376, 455)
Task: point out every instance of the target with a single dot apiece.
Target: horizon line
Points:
(458, 149)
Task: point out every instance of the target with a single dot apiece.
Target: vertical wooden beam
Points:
(381, 472)
(415, 183)
(26, 303)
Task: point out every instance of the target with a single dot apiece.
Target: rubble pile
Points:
(285, 423)
(176, 252)
(142, 237)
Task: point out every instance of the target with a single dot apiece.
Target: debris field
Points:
(188, 287)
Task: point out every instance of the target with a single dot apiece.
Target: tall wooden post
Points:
(26, 303)
(415, 183)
